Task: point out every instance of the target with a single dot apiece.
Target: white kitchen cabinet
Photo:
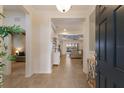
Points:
(56, 58)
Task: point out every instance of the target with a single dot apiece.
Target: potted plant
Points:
(5, 31)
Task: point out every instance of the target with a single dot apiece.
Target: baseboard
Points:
(44, 72)
(28, 75)
(55, 64)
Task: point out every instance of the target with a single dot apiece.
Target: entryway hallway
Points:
(68, 74)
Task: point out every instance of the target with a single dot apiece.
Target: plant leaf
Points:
(2, 15)
(6, 30)
(11, 58)
(2, 54)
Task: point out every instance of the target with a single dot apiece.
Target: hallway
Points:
(67, 75)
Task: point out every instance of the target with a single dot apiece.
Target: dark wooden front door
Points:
(110, 46)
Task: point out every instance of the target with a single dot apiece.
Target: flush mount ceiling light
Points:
(65, 30)
(64, 33)
(63, 8)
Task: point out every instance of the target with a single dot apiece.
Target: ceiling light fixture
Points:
(64, 33)
(65, 30)
(63, 8)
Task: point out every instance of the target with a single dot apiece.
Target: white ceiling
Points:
(72, 25)
(14, 8)
(83, 8)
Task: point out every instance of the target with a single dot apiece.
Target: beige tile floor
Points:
(68, 74)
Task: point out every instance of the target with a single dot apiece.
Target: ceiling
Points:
(72, 25)
(13, 8)
(82, 8)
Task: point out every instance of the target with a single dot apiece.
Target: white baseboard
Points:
(85, 67)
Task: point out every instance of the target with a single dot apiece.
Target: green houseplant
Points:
(5, 31)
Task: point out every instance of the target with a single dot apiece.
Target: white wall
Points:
(31, 61)
(86, 45)
(38, 43)
(88, 41)
(92, 41)
(14, 17)
(53, 35)
(45, 45)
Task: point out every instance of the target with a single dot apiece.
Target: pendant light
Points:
(63, 8)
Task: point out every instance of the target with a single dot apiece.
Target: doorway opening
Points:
(16, 15)
(67, 38)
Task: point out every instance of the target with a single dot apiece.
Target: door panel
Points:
(110, 46)
(102, 29)
(101, 46)
(102, 81)
(119, 24)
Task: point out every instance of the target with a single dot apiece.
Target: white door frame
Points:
(28, 64)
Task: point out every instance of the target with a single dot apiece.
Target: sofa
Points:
(20, 57)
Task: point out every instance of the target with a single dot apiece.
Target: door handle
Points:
(95, 74)
(96, 59)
